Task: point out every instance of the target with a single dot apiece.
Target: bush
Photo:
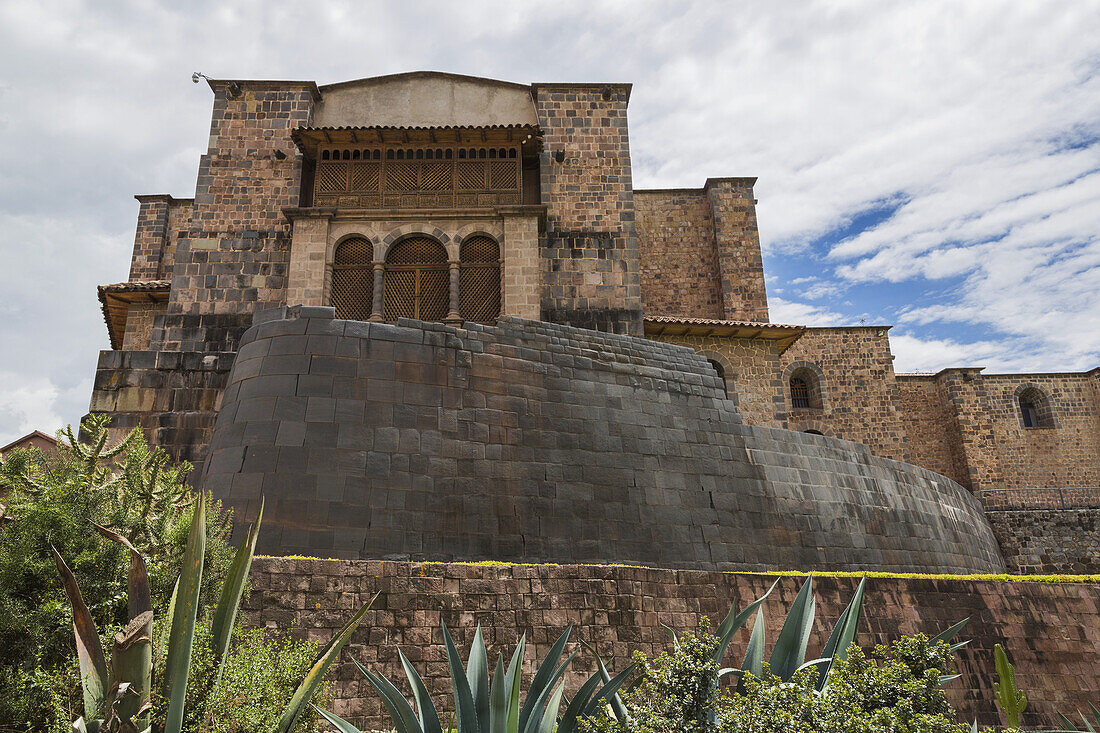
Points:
(128, 487)
(895, 688)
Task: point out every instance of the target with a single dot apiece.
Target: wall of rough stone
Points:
(679, 260)
(859, 388)
(172, 396)
(1049, 540)
(752, 372)
(139, 325)
(737, 238)
(591, 274)
(540, 442)
(1052, 631)
(930, 427)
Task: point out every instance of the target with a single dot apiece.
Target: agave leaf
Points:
(675, 639)
(754, 652)
(1095, 712)
(578, 704)
(945, 678)
(551, 714)
(1085, 720)
(132, 667)
(89, 649)
(1069, 723)
(317, 672)
(399, 709)
(843, 635)
(538, 709)
(138, 598)
(790, 647)
(610, 690)
(477, 674)
(543, 678)
(498, 700)
(960, 645)
(1011, 700)
(186, 608)
(429, 718)
(465, 712)
(337, 722)
(512, 679)
(734, 621)
(974, 726)
(951, 632)
(225, 614)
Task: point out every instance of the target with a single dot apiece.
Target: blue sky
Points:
(931, 165)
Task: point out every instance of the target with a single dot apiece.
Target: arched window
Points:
(814, 432)
(351, 291)
(479, 280)
(721, 375)
(1035, 408)
(416, 282)
(805, 389)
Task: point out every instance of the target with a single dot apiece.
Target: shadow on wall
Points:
(535, 442)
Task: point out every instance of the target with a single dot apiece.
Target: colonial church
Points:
(432, 209)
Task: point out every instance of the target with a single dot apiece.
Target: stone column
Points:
(453, 316)
(376, 306)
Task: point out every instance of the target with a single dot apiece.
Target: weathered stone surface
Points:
(1052, 631)
(1049, 540)
(538, 442)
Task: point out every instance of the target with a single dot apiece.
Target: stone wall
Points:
(972, 422)
(139, 325)
(591, 273)
(539, 442)
(1049, 540)
(752, 372)
(172, 396)
(679, 260)
(161, 219)
(857, 383)
(1052, 631)
(737, 239)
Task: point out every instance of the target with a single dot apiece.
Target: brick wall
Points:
(139, 325)
(737, 238)
(540, 442)
(679, 260)
(860, 391)
(752, 372)
(590, 247)
(1049, 541)
(1052, 631)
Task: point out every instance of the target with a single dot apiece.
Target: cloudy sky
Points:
(935, 166)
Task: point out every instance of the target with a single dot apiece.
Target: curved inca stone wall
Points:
(529, 441)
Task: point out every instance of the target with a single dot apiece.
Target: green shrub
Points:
(52, 499)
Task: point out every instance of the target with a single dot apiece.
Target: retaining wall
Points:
(536, 442)
(1052, 631)
(1049, 540)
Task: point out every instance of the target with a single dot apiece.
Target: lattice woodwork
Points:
(479, 280)
(425, 178)
(416, 281)
(351, 291)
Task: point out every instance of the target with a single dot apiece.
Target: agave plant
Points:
(116, 695)
(485, 704)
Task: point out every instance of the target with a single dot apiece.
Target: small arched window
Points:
(1035, 408)
(351, 290)
(416, 280)
(479, 280)
(813, 432)
(721, 376)
(805, 387)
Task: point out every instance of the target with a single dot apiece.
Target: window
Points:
(351, 290)
(1035, 408)
(416, 280)
(479, 280)
(806, 388)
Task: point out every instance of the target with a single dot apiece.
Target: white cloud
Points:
(803, 314)
(27, 404)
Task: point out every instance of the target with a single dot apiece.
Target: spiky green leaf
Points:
(404, 719)
(225, 613)
(551, 713)
(843, 635)
(577, 705)
(543, 678)
(477, 674)
(498, 699)
(429, 718)
(465, 711)
(338, 723)
(754, 652)
(789, 651)
(89, 649)
(182, 634)
(512, 679)
(733, 622)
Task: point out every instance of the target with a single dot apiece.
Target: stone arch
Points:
(416, 279)
(405, 231)
(816, 396)
(1033, 406)
(726, 372)
(482, 228)
(816, 427)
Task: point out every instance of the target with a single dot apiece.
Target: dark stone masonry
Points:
(537, 442)
(1049, 540)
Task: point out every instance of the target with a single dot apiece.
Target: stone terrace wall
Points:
(1052, 631)
(530, 441)
(1049, 540)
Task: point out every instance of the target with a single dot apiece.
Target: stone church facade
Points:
(437, 198)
